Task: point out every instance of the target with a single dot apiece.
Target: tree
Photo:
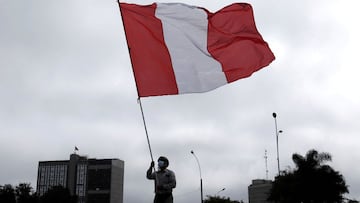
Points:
(25, 194)
(7, 194)
(217, 199)
(311, 181)
(58, 194)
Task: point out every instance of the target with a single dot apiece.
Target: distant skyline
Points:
(66, 81)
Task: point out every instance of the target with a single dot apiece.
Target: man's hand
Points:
(152, 164)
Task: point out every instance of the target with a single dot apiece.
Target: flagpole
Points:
(146, 132)
(137, 88)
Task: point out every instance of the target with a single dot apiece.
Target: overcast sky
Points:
(66, 80)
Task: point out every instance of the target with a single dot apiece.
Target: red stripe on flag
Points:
(234, 41)
(150, 57)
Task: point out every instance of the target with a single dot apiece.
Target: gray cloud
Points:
(66, 79)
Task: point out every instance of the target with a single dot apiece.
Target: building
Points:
(92, 180)
(259, 191)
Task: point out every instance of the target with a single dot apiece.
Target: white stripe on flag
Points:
(201, 75)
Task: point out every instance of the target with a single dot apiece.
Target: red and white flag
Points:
(176, 48)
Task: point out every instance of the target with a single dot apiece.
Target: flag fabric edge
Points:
(155, 87)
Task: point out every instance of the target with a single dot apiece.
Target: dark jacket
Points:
(164, 180)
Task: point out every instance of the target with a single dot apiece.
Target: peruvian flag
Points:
(176, 48)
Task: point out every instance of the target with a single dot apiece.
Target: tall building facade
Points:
(259, 191)
(91, 180)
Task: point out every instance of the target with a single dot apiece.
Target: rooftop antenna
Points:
(266, 165)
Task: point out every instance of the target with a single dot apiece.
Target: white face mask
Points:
(161, 164)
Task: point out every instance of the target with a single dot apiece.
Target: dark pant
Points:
(163, 198)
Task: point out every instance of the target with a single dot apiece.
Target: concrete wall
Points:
(259, 191)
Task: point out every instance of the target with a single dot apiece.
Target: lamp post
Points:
(220, 191)
(277, 142)
(201, 186)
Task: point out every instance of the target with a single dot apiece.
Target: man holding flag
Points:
(164, 181)
(177, 49)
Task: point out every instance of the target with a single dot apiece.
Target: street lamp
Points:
(277, 142)
(220, 191)
(201, 186)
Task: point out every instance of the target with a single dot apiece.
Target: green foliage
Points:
(311, 181)
(25, 194)
(7, 194)
(217, 199)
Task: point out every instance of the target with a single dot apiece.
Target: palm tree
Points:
(319, 182)
(312, 161)
(311, 181)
